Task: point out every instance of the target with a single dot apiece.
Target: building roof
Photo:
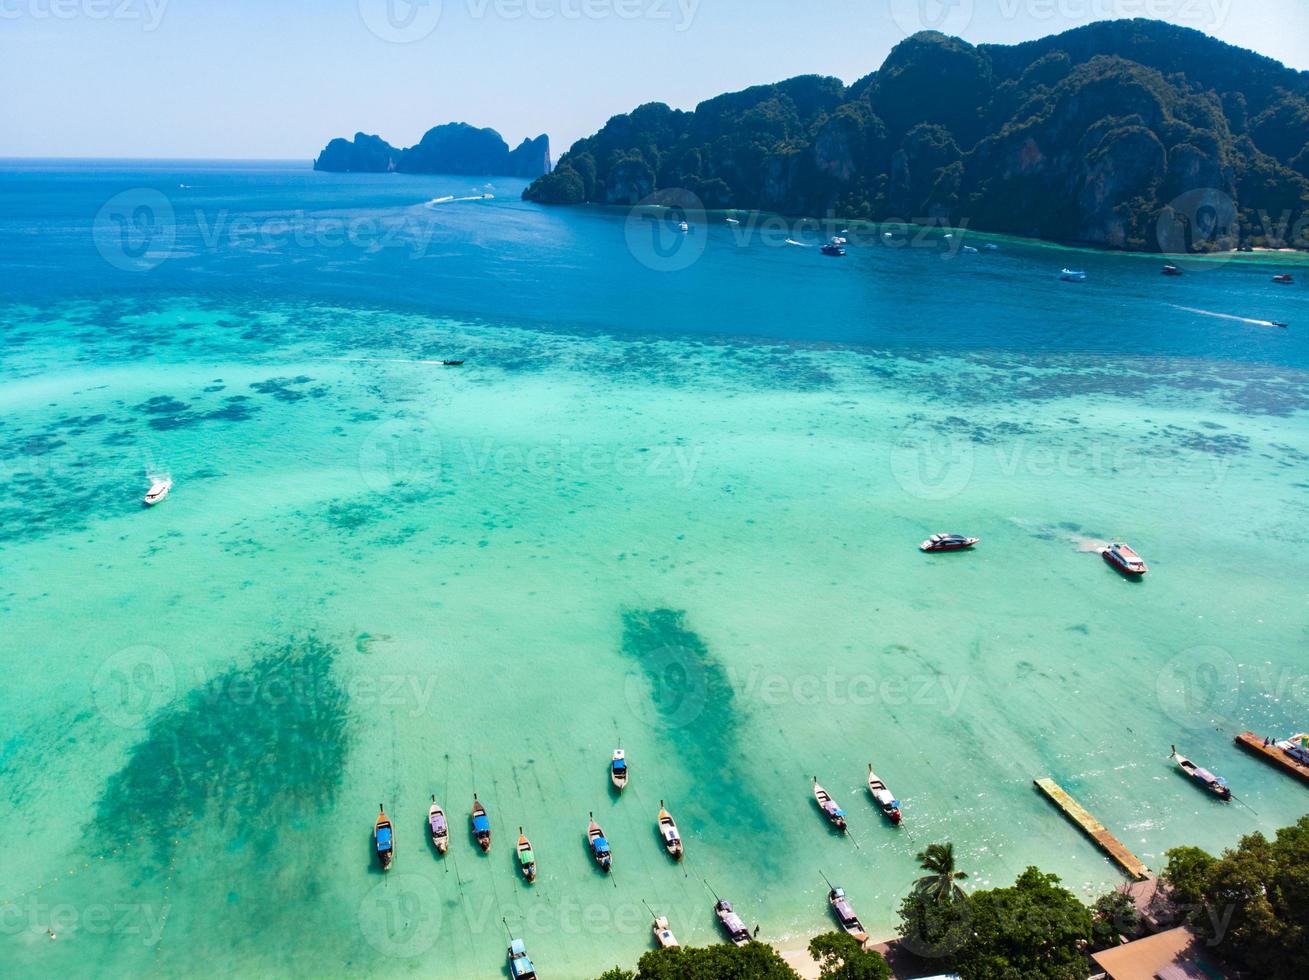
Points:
(1173, 955)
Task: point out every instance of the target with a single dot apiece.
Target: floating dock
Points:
(1270, 753)
(1094, 829)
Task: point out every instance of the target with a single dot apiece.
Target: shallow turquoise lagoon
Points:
(676, 512)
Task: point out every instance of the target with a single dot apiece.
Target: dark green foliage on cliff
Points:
(1085, 136)
(455, 148)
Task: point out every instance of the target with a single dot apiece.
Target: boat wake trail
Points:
(384, 360)
(1227, 316)
(437, 201)
(792, 241)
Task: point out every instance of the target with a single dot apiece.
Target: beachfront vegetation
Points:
(753, 961)
(1127, 134)
(842, 957)
(1252, 903)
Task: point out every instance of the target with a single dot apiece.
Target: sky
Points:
(275, 79)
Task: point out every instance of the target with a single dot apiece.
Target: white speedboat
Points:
(1072, 275)
(683, 227)
(157, 492)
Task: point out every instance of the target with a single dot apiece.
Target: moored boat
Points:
(668, 831)
(948, 542)
(683, 227)
(384, 838)
(520, 964)
(1123, 558)
(157, 492)
(437, 825)
(731, 923)
(833, 249)
(481, 825)
(1072, 275)
(845, 914)
(526, 858)
(1297, 747)
(885, 800)
(834, 814)
(618, 769)
(595, 837)
(1214, 784)
(662, 933)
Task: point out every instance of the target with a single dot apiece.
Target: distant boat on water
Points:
(1072, 275)
(668, 832)
(736, 931)
(1214, 784)
(883, 797)
(481, 825)
(384, 838)
(1123, 558)
(595, 838)
(618, 770)
(439, 828)
(834, 814)
(157, 492)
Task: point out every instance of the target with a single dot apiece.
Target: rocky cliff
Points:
(455, 148)
(1094, 135)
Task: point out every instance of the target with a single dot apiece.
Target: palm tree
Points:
(939, 884)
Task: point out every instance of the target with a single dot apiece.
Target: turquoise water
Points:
(675, 511)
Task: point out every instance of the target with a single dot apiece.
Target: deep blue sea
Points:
(671, 502)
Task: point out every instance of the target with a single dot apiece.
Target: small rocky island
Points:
(455, 148)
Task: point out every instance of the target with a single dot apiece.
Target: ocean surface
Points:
(671, 502)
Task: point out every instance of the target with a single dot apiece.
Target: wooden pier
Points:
(1093, 828)
(1271, 754)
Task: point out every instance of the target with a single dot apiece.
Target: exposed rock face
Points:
(367, 154)
(455, 148)
(1094, 135)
